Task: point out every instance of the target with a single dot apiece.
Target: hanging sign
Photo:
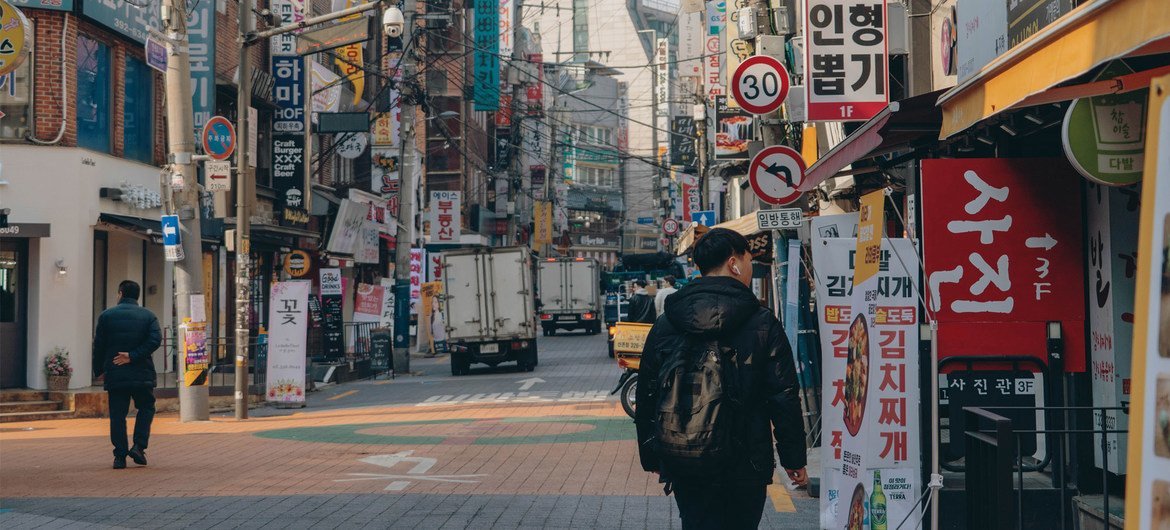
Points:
(775, 173)
(288, 323)
(156, 55)
(219, 175)
(297, 264)
(1104, 136)
(846, 72)
(445, 216)
(288, 93)
(353, 145)
(760, 84)
(486, 55)
(219, 138)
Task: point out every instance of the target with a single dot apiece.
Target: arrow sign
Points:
(170, 230)
(776, 173)
(705, 217)
(526, 384)
(219, 175)
(1046, 242)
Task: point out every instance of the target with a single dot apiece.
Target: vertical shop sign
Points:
(691, 30)
(445, 216)
(385, 181)
(738, 49)
(506, 30)
(434, 267)
(367, 247)
(879, 400)
(662, 75)
(417, 257)
(542, 220)
(288, 170)
(535, 90)
(1148, 483)
(1002, 244)
(682, 142)
(331, 317)
(713, 60)
(288, 322)
(201, 48)
(486, 55)
(846, 67)
(349, 58)
(288, 93)
(1112, 212)
(289, 13)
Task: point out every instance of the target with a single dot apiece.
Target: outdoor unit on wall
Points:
(781, 17)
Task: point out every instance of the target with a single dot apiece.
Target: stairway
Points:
(33, 405)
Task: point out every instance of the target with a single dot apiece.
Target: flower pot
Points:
(58, 383)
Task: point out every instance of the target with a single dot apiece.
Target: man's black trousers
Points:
(734, 505)
(120, 406)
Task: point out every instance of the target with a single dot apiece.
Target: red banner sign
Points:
(1002, 244)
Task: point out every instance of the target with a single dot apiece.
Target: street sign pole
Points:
(245, 191)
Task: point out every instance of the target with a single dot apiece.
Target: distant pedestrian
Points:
(642, 305)
(126, 336)
(716, 384)
(660, 298)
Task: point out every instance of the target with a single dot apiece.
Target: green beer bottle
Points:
(877, 504)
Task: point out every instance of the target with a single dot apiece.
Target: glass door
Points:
(13, 312)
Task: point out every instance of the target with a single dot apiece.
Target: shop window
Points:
(137, 115)
(16, 102)
(93, 94)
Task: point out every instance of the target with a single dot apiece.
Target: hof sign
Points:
(288, 93)
(288, 169)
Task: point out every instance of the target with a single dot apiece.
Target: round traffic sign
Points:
(219, 138)
(670, 227)
(775, 173)
(760, 84)
(16, 36)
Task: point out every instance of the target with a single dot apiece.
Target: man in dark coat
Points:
(126, 336)
(641, 305)
(720, 306)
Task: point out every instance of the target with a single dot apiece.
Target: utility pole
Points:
(700, 116)
(193, 401)
(244, 195)
(523, 205)
(406, 192)
(657, 172)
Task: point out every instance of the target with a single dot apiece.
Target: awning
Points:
(747, 225)
(148, 229)
(1089, 36)
(901, 125)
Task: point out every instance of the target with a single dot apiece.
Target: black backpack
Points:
(699, 409)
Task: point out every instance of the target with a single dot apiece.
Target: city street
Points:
(495, 449)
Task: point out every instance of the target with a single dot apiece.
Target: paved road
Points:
(425, 451)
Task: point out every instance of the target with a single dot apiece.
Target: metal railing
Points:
(222, 351)
(993, 457)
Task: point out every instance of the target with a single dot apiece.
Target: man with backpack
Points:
(716, 383)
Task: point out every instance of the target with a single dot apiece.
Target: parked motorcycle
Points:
(627, 340)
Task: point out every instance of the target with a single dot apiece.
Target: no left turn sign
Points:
(775, 173)
(760, 84)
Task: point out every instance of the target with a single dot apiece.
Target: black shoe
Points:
(119, 462)
(137, 455)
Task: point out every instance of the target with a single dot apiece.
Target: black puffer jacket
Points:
(724, 309)
(130, 328)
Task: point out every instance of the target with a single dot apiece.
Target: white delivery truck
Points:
(489, 301)
(570, 294)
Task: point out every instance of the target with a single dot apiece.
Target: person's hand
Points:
(122, 358)
(798, 476)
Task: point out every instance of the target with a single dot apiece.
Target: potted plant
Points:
(58, 370)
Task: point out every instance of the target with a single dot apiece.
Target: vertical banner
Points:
(1148, 503)
(196, 358)
(201, 34)
(887, 397)
(1112, 214)
(332, 341)
(384, 179)
(682, 143)
(846, 68)
(386, 320)
(738, 49)
(691, 30)
(349, 58)
(288, 13)
(662, 79)
(288, 321)
(542, 222)
(288, 94)
(486, 55)
(288, 172)
(714, 63)
(417, 257)
(506, 29)
(445, 217)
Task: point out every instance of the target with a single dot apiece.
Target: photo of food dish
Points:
(733, 130)
(1161, 506)
(726, 146)
(856, 375)
(857, 510)
(1162, 416)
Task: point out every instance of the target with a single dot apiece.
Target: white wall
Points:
(59, 186)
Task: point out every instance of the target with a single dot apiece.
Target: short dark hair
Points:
(640, 283)
(129, 289)
(716, 247)
(670, 280)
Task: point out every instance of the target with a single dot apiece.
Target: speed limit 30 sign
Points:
(775, 174)
(760, 84)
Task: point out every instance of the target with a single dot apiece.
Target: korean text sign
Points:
(846, 59)
(486, 55)
(889, 407)
(288, 93)
(1002, 243)
(445, 216)
(288, 321)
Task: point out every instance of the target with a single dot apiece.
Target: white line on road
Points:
(526, 384)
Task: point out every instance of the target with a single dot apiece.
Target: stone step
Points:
(10, 396)
(29, 406)
(11, 417)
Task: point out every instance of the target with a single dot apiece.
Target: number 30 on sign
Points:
(760, 84)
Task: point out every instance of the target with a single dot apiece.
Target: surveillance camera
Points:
(392, 22)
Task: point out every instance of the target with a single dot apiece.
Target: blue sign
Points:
(487, 55)
(156, 55)
(705, 218)
(219, 138)
(288, 93)
(52, 5)
(201, 36)
(170, 231)
(645, 220)
(127, 19)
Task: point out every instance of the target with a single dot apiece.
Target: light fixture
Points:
(1034, 119)
(1008, 129)
(1054, 330)
(985, 139)
(62, 270)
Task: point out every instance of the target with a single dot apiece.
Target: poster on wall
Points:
(734, 128)
(846, 65)
(287, 337)
(883, 399)
(1148, 504)
(417, 258)
(1001, 246)
(196, 358)
(331, 313)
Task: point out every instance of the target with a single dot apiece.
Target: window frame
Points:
(149, 78)
(108, 104)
